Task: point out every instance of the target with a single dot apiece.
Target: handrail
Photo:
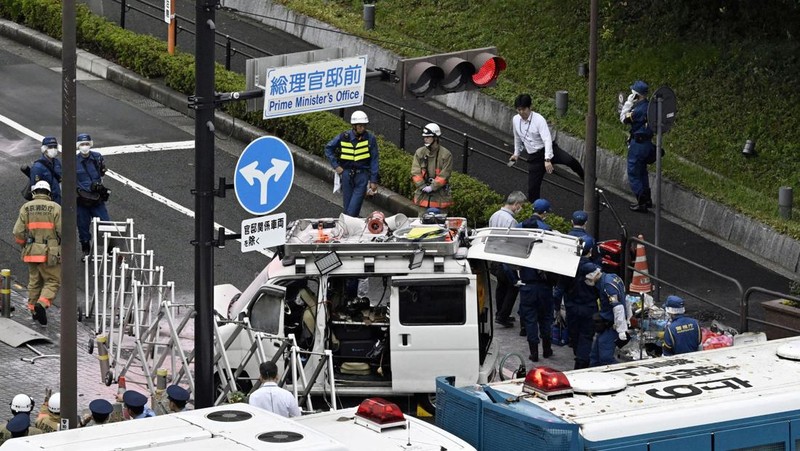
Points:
(746, 301)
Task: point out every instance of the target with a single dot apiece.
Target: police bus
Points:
(745, 397)
(374, 425)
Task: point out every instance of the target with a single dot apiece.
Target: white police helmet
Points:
(21, 403)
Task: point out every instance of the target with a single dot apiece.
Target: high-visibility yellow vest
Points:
(354, 152)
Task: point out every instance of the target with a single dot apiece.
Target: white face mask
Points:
(84, 148)
(51, 152)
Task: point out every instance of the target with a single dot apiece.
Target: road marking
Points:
(118, 150)
(149, 147)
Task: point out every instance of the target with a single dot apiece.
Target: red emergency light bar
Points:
(546, 382)
(379, 414)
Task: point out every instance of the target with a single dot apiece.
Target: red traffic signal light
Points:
(449, 72)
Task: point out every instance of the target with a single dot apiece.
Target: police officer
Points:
(21, 403)
(683, 333)
(19, 426)
(540, 209)
(177, 396)
(48, 168)
(354, 156)
(135, 403)
(100, 411)
(580, 305)
(579, 218)
(641, 150)
(92, 195)
(38, 231)
(49, 418)
(430, 171)
(611, 323)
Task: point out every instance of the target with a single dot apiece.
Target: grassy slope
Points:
(733, 68)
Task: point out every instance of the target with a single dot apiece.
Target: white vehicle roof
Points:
(420, 436)
(672, 392)
(242, 427)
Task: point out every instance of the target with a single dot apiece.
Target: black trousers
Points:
(536, 173)
(560, 156)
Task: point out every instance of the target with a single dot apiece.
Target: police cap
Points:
(134, 399)
(101, 407)
(580, 217)
(19, 423)
(177, 393)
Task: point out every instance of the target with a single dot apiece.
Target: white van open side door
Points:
(534, 248)
(434, 331)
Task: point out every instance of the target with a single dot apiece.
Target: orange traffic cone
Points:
(640, 282)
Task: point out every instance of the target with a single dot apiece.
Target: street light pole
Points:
(69, 300)
(204, 204)
(590, 199)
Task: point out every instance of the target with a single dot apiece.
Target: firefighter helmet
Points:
(41, 185)
(54, 403)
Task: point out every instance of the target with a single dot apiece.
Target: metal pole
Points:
(171, 34)
(227, 52)
(5, 292)
(785, 200)
(122, 8)
(369, 16)
(590, 166)
(403, 128)
(659, 137)
(204, 204)
(465, 160)
(69, 226)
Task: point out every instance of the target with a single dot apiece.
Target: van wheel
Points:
(426, 404)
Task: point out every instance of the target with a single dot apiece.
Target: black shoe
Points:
(534, 348)
(522, 332)
(641, 208)
(547, 348)
(40, 314)
(504, 322)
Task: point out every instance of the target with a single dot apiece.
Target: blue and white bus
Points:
(744, 397)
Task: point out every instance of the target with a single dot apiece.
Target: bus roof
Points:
(673, 392)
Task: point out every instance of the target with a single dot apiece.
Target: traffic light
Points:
(449, 72)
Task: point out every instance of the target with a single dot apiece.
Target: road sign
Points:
(320, 86)
(167, 11)
(263, 232)
(669, 109)
(264, 175)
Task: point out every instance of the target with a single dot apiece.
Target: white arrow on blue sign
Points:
(264, 175)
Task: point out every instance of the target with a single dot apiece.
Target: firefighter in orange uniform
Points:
(430, 171)
(38, 231)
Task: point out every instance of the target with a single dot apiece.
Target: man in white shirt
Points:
(532, 135)
(272, 398)
(505, 291)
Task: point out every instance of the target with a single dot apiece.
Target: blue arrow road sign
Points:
(264, 175)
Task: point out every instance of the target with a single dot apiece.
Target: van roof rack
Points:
(376, 234)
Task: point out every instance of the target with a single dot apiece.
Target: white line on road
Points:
(150, 147)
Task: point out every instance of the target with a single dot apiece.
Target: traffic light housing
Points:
(449, 72)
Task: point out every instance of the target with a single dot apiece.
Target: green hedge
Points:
(148, 56)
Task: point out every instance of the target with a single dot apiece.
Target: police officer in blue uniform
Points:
(683, 333)
(580, 304)
(354, 156)
(100, 411)
(178, 397)
(641, 150)
(540, 209)
(92, 194)
(48, 168)
(578, 229)
(611, 322)
(135, 403)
